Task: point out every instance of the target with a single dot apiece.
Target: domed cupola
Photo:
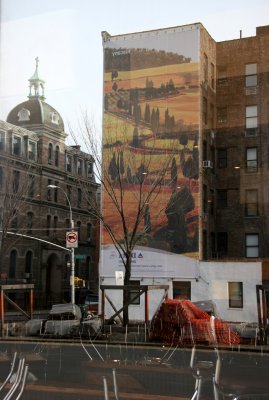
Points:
(35, 114)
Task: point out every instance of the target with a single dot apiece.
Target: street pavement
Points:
(76, 371)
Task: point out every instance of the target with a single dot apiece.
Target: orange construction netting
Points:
(181, 322)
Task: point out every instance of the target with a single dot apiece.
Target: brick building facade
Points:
(240, 189)
(33, 156)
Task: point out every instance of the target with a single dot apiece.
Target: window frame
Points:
(250, 161)
(251, 247)
(235, 294)
(222, 158)
(250, 204)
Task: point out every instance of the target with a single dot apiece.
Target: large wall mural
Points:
(151, 111)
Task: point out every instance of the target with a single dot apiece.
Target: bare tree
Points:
(134, 181)
(16, 191)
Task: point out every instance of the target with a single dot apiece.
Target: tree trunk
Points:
(126, 293)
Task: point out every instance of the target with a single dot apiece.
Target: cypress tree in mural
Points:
(121, 163)
(112, 169)
(174, 172)
(129, 177)
(147, 114)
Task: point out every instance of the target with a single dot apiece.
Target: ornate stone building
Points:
(34, 156)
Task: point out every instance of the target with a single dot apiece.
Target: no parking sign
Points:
(71, 239)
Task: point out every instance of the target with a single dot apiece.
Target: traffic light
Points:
(78, 282)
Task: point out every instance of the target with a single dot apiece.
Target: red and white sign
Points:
(71, 239)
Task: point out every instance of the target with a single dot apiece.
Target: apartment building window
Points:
(251, 204)
(2, 141)
(222, 75)
(212, 77)
(252, 245)
(222, 158)
(89, 169)
(68, 161)
(79, 166)
(56, 192)
(251, 120)
(16, 181)
(205, 110)
(16, 145)
(205, 68)
(57, 155)
(235, 292)
(50, 153)
(251, 159)
(32, 151)
(251, 78)
(222, 113)
(49, 190)
(222, 198)
(222, 244)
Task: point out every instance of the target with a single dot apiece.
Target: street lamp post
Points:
(72, 274)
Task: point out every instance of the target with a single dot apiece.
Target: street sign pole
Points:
(72, 275)
(71, 243)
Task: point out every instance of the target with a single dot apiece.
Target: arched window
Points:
(12, 264)
(50, 150)
(57, 156)
(28, 264)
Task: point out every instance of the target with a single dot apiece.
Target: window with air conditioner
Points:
(251, 159)
(251, 78)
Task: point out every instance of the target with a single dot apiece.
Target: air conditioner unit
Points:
(251, 132)
(207, 164)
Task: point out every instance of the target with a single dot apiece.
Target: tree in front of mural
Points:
(134, 184)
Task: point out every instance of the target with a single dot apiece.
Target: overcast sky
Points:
(66, 36)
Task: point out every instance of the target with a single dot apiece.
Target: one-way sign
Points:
(71, 239)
